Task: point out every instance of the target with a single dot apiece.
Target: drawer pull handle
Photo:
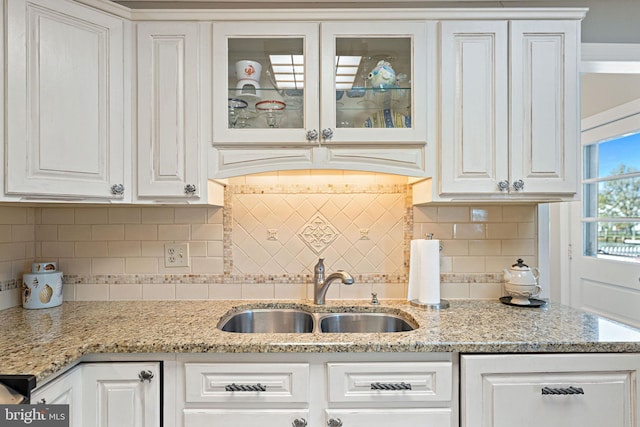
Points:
(383, 386)
(568, 390)
(245, 387)
(334, 422)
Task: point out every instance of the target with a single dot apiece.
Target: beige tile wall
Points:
(128, 240)
(17, 250)
(479, 239)
(117, 252)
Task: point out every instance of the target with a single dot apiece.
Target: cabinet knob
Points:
(312, 135)
(334, 422)
(518, 185)
(299, 422)
(145, 376)
(190, 189)
(503, 185)
(327, 133)
(117, 189)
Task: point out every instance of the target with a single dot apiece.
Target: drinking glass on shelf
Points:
(272, 110)
(235, 109)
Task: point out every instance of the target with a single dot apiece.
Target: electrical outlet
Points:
(176, 255)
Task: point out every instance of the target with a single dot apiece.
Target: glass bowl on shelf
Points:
(271, 110)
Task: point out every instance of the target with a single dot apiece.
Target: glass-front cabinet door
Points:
(265, 87)
(327, 83)
(374, 81)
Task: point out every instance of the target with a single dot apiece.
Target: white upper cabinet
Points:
(509, 111)
(475, 106)
(173, 98)
(250, 106)
(332, 82)
(65, 103)
(308, 95)
(544, 106)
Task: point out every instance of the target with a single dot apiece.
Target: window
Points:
(611, 198)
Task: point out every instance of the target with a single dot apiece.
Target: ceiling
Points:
(234, 4)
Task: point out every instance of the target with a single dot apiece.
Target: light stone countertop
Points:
(44, 342)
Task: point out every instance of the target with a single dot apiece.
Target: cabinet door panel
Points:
(114, 395)
(544, 132)
(65, 390)
(168, 94)
(507, 390)
(518, 400)
(243, 418)
(474, 145)
(246, 51)
(389, 417)
(65, 100)
(361, 112)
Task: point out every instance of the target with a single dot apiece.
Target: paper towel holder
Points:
(437, 306)
(429, 236)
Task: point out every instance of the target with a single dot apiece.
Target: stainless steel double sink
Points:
(281, 320)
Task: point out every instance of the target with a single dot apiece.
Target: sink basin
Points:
(363, 322)
(292, 320)
(271, 321)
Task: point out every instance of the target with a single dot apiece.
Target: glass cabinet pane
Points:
(373, 82)
(266, 79)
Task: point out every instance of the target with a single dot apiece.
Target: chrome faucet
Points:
(320, 284)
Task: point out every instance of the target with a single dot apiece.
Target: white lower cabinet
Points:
(121, 394)
(334, 390)
(107, 394)
(544, 390)
(65, 390)
(388, 417)
(244, 418)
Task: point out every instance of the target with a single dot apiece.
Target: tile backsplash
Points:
(266, 240)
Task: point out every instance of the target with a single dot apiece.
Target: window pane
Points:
(611, 199)
(619, 156)
(617, 198)
(614, 239)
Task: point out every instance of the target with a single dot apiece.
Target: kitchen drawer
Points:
(247, 382)
(390, 382)
(389, 417)
(535, 390)
(243, 418)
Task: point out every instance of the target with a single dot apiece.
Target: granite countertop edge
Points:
(45, 342)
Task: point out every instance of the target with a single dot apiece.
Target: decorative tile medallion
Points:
(318, 234)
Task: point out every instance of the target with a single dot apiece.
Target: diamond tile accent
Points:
(318, 234)
(313, 220)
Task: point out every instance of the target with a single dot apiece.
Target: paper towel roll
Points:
(424, 271)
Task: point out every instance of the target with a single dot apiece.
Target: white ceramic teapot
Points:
(521, 282)
(521, 274)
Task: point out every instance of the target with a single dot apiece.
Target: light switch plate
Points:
(176, 255)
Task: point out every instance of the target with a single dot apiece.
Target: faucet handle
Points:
(374, 298)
